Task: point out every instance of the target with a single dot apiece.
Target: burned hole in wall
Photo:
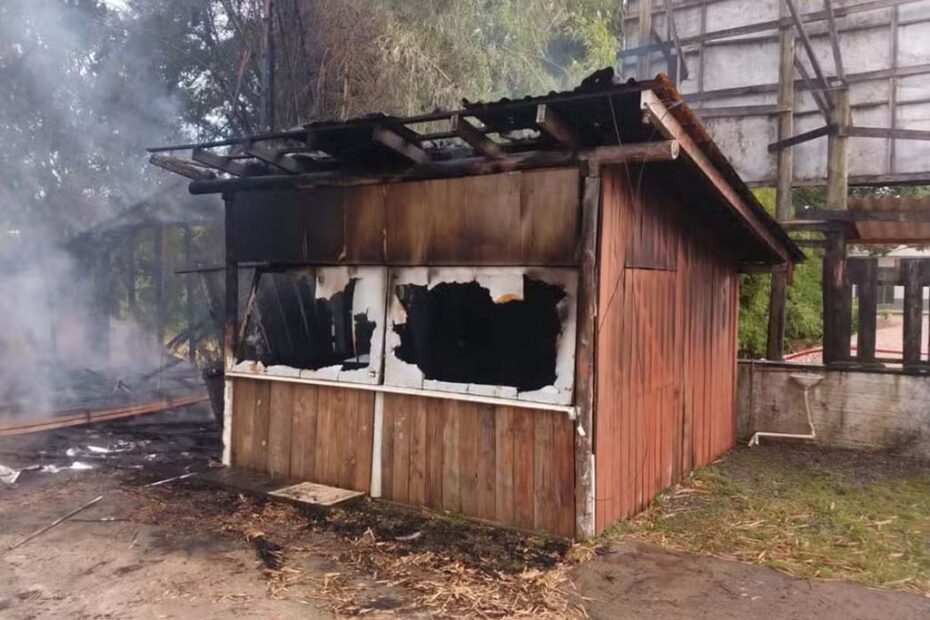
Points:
(291, 325)
(456, 332)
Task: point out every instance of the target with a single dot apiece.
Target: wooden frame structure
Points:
(806, 102)
(869, 221)
(616, 187)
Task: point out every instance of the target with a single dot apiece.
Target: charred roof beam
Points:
(275, 158)
(180, 166)
(401, 141)
(556, 127)
(475, 138)
(218, 162)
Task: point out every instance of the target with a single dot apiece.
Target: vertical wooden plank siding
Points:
(505, 464)
(666, 353)
(303, 432)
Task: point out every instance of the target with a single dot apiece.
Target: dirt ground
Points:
(642, 581)
(184, 549)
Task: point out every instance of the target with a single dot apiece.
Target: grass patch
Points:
(810, 513)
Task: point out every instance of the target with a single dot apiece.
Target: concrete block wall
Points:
(870, 410)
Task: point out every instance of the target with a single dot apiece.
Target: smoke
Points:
(78, 105)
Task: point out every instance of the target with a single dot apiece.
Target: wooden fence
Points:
(839, 279)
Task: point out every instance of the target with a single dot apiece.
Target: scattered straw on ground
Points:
(810, 513)
(379, 559)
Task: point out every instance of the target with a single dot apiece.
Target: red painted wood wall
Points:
(666, 344)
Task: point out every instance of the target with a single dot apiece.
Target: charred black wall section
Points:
(291, 327)
(455, 332)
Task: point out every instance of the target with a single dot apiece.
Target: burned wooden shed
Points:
(522, 311)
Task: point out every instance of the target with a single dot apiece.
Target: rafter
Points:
(556, 127)
(218, 162)
(473, 137)
(393, 140)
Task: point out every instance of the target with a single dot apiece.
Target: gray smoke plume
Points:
(78, 103)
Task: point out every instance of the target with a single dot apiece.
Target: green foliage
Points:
(496, 48)
(804, 309)
(753, 314)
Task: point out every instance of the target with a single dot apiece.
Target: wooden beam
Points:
(393, 140)
(837, 300)
(663, 120)
(263, 152)
(645, 28)
(913, 310)
(837, 153)
(673, 33)
(78, 418)
(890, 203)
(807, 136)
(158, 282)
(817, 244)
(766, 26)
(218, 162)
(816, 95)
(189, 297)
(585, 356)
(863, 272)
(778, 292)
(821, 226)
(834, 40)
(909, 215)
(809, 48)
(181, 166)
(853, 78)
(556, 127)
(670, 64)
(901, 179)
(885, 132)
(473, 166)
(741, 110)
(663, 150)
(475, 138)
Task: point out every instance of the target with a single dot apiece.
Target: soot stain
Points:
(291, 327)
(455, 332)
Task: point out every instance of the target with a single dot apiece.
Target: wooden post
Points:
(867, 287)
(158, 281)
(230, 326)
(913, 311)
(104, 302)
(189, 291)
(778, 294)
(837, 312)
(585, 354)
(863, 273)
(268, 77)
(837, 157)
(645, 37)
(131, 241)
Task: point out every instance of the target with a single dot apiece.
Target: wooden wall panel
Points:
(666, 348)
(505, 464)
(303, 432)
(518, 218)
